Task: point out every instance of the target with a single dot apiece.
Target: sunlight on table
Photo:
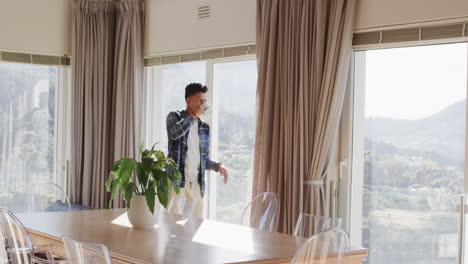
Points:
(122, 220)
(237, 238)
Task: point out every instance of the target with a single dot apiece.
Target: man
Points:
(189, 142)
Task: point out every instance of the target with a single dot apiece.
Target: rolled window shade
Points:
(367, 38)
(400, 35)
(202, 55)
(34, 58)
(442, 32)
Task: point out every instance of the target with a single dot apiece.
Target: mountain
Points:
(442, 133)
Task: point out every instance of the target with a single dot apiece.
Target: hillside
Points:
(442, 133)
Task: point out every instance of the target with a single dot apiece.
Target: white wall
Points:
(43, 26)
(172, 25)
(382, 13)
(36, 26)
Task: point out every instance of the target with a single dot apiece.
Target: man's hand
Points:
(198, 111)
(223, 172)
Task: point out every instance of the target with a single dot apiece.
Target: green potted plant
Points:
(156, 175)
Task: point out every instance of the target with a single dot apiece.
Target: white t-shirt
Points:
(192, 162)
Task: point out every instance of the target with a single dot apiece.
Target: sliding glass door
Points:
(409, 152)
(232, 90)
(233, 124)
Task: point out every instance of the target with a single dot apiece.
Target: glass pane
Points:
(235, 86)
(413, 151)
(168, 94)
(27, 131)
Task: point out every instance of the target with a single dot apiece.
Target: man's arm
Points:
(177, 128)
(211, 165)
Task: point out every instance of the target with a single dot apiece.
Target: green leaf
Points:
(141, 175)
(163, 197)
(109, 181)
(176, 188)
(147, 163)
(145, 153)
(178, 174)
(154, 145)
(159, 164)
(163, 184)
(175, 182)
(125, 171)
(169, 186)
(172, 175)
(152, 184)
(160, 155)
(142, 145)
(128, 192)
(150, 199)
(116, 166)
(148, 153)
(112, 195)
(157, 174)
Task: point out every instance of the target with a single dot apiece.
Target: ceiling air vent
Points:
(204, 11)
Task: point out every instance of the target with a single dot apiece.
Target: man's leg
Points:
(194, 193)
(174, 201)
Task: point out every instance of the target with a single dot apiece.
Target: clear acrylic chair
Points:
(3, 250)
(308, 225)
(17, 243)
(324, 247)
(182, 205)
(262, 212)
(44, 196)
(83, 253)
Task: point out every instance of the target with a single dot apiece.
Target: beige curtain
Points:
(128, 82)
(304, 49)
(107, 68)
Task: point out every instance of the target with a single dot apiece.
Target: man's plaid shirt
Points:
(178, 127)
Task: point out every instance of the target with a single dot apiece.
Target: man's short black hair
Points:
(194, 88)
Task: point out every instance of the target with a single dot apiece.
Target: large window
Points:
(409, 152)
(28, 130)
(232, 97)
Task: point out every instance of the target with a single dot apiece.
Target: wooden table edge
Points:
(361, 253)
(114, 255)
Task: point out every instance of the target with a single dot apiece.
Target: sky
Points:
(236, 85)
(415, 82)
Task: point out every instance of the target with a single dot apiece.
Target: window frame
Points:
(63, 127)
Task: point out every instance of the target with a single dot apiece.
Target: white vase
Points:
(139, 214)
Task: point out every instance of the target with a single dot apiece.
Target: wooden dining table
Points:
(173, 240)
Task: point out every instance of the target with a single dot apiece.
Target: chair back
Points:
(44, 196)
(308, 225)
(84, 253)
(324, 247)
(262, 212)
(3, 250)
(15, 240)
